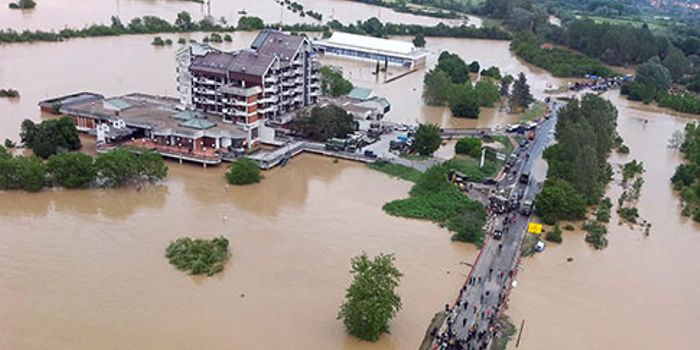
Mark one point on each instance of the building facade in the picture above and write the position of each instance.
(368, 48)
(276, 76)
(184, 58)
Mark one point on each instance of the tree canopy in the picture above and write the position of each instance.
(427, 139)
(520, 94)
(333, 83)
(578, 168)
(50, 136)
(371, 300)
(325, 122)
(243, 172)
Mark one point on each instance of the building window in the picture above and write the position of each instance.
(254, 133)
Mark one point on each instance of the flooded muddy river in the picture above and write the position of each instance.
(57, 14)
(85, 269)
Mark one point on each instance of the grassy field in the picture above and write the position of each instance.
(536, 110)
(400, 171)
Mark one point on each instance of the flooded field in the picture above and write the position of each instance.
(57, 14)
(85, 269)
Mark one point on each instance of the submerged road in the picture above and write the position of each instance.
(471, 320)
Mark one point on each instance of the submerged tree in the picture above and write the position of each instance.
(371, 300)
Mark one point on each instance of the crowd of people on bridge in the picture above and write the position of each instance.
(449, 337)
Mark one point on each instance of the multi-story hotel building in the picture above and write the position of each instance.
(276, 76)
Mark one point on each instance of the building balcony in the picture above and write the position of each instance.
(288, 83)
(287, 92)
(270, 99)
(271, 79)
(315, 93)
(269, 109)
(235, 112)
(315, 85)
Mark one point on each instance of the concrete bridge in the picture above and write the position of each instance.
(281, 155)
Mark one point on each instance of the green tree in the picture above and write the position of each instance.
(521, 96)
(50, 136)
(427, 139)
(492, 72)
(151, 165)
(554, 235)
(419, 40)
(474, 67)
(505, 85)
(436, 87)
(243, 172)
(117, 167)
(470, 146)
(184, 22)
(371, 300)
(333, 83)
(486, 92)
(676, 63)
(454, 66)
(324, 122)
(654, 75)
(71, 169)
(30, 173)
(250, 23)
(559, 201)
(464, 103)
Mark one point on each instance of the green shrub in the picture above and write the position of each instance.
(71, 169)
(596, 235)
(629, 214)
(470, 146)
(569, 227)
(243, 172)
(434, 198)
(554, 235)
(199, 256)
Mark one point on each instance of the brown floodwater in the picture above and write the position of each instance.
(405, 92)
(85, 269)
(638, 293)
(57, 14)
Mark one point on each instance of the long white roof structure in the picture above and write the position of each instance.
(371, 43)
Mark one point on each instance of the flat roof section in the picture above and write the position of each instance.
(364, 43)
(158, 114)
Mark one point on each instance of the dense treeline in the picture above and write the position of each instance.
(686, 179)
(184, 23)
(402, 6)
(560, 62)
(375, 27)
(614, 44)
(139, 25)
(578, 168)
(115, 168)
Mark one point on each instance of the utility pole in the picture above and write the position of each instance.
(483, 155)
(209, 8)
(522, 325)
